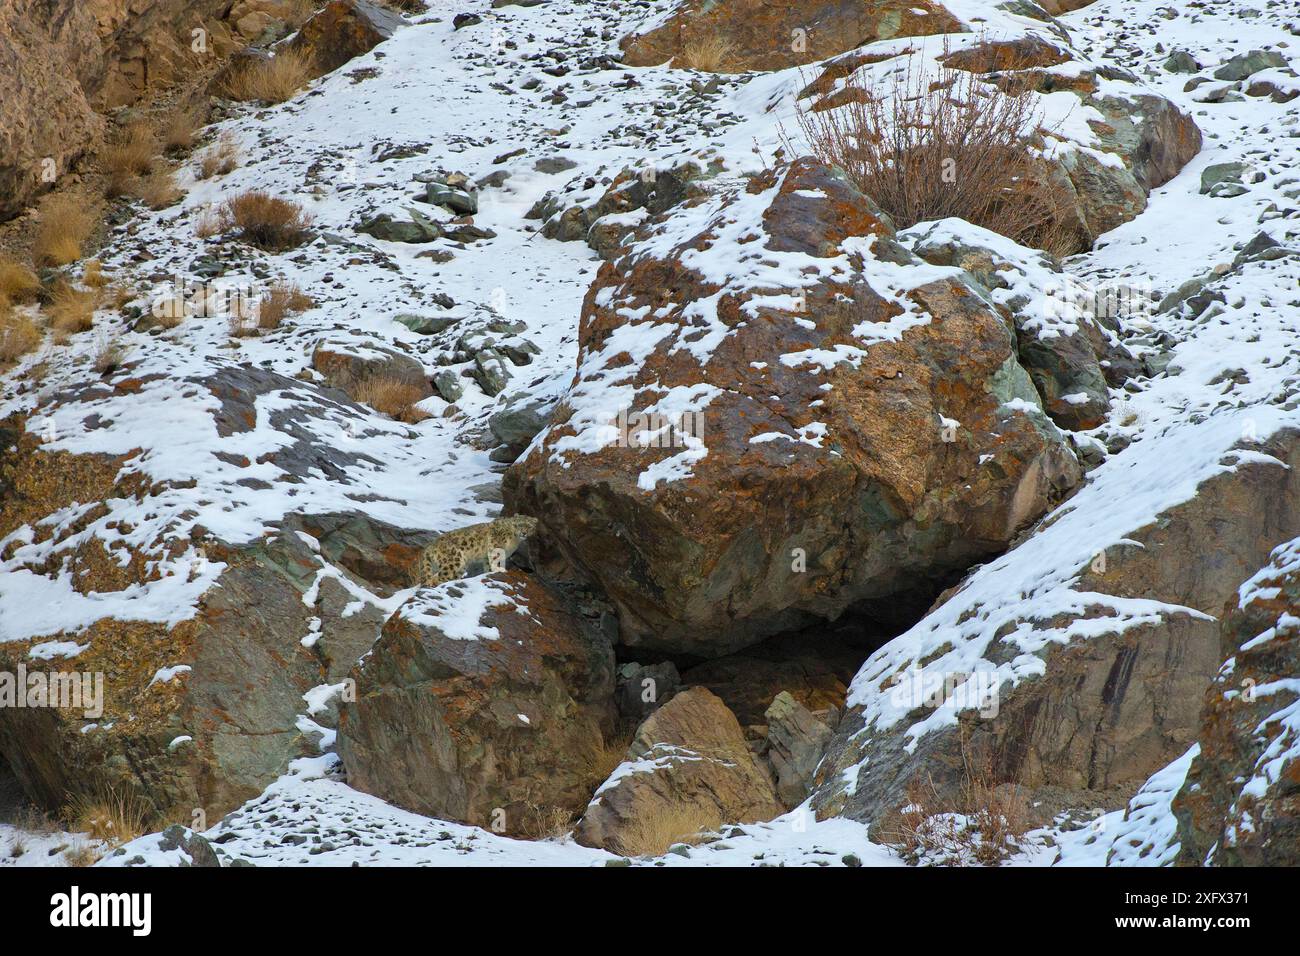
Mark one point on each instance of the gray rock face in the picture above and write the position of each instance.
(796, 741)
(1244, 65)
(469, 710)
(642, 688)
(516, 425)
(347, 366)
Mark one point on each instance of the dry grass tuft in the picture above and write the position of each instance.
(92, 274)
(18, 283)
(72, 310)
(542, 822)
(158, 190)
(271, 80)
(81, 855)
(109, 357)
(282, 300)
(132, 156)
(18, 334)
(391, 397)
(934, 145)
(220, 158)
(179, 131)
(706, 54)
(65, 226)
(109, 816)
(665, 825)
(266, 221)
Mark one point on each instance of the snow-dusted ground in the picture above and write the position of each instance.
(449, 100)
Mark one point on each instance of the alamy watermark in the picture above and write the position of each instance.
(62, 690)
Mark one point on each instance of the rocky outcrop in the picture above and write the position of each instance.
(342, 31)
(205, 646)
(349, 366)
(779, 412)
(1240, 805)
(796, 741)
(484, 701)
(776, 34)
(1114, 666)
(1065, 332)
(688, 769)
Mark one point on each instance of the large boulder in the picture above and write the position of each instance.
(1080, 683)
(485, 700)
(780, 412)
(342, 31)
(776, 34)
(688, 769)
(1240, 805)
(222, 655)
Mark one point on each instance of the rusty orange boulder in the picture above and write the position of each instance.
(779, 412)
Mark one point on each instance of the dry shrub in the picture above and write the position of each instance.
(663, 825)
(81, 855)
(18, 283)
(207, 223)
(543, 822)
(158, 190)
(220, 158)
(282, 300)
(108, 815)
(266, 221)
(18, 334)
(407, 6)
(71, 309)
(983, 825)
(271, 80)
(934, 145)
(132, 156)
(92, 274)
(604, 760)
(64, 227)
(109, 356)
(391, 397)
(706, 54)
(178, 133)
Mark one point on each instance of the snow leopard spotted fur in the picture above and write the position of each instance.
(473, 550)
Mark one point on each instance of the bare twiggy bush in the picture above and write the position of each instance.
(18, 333)
(271, 80)
(665, 825)
(207, 223)
(65, 226)
(266, 221)
(111, 816)
(158, 190)
(706, 54)
(936, 144)
(407, 6)
(17, 846)
(18, 283)
(133, 155)
(391, 397)
(220, 158)
(282, 300)
(71, 309)
(984, 825)
(543, 822)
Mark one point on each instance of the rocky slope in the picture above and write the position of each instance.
(836, 522)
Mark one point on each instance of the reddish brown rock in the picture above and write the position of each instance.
(864, 428)
(342, 31)
(776, 34)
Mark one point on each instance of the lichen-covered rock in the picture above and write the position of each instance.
(1240, 804)
(779, 411)
(1061, 338)
(484, 700)
(776, 34)
(688, 768)
(796, 741)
